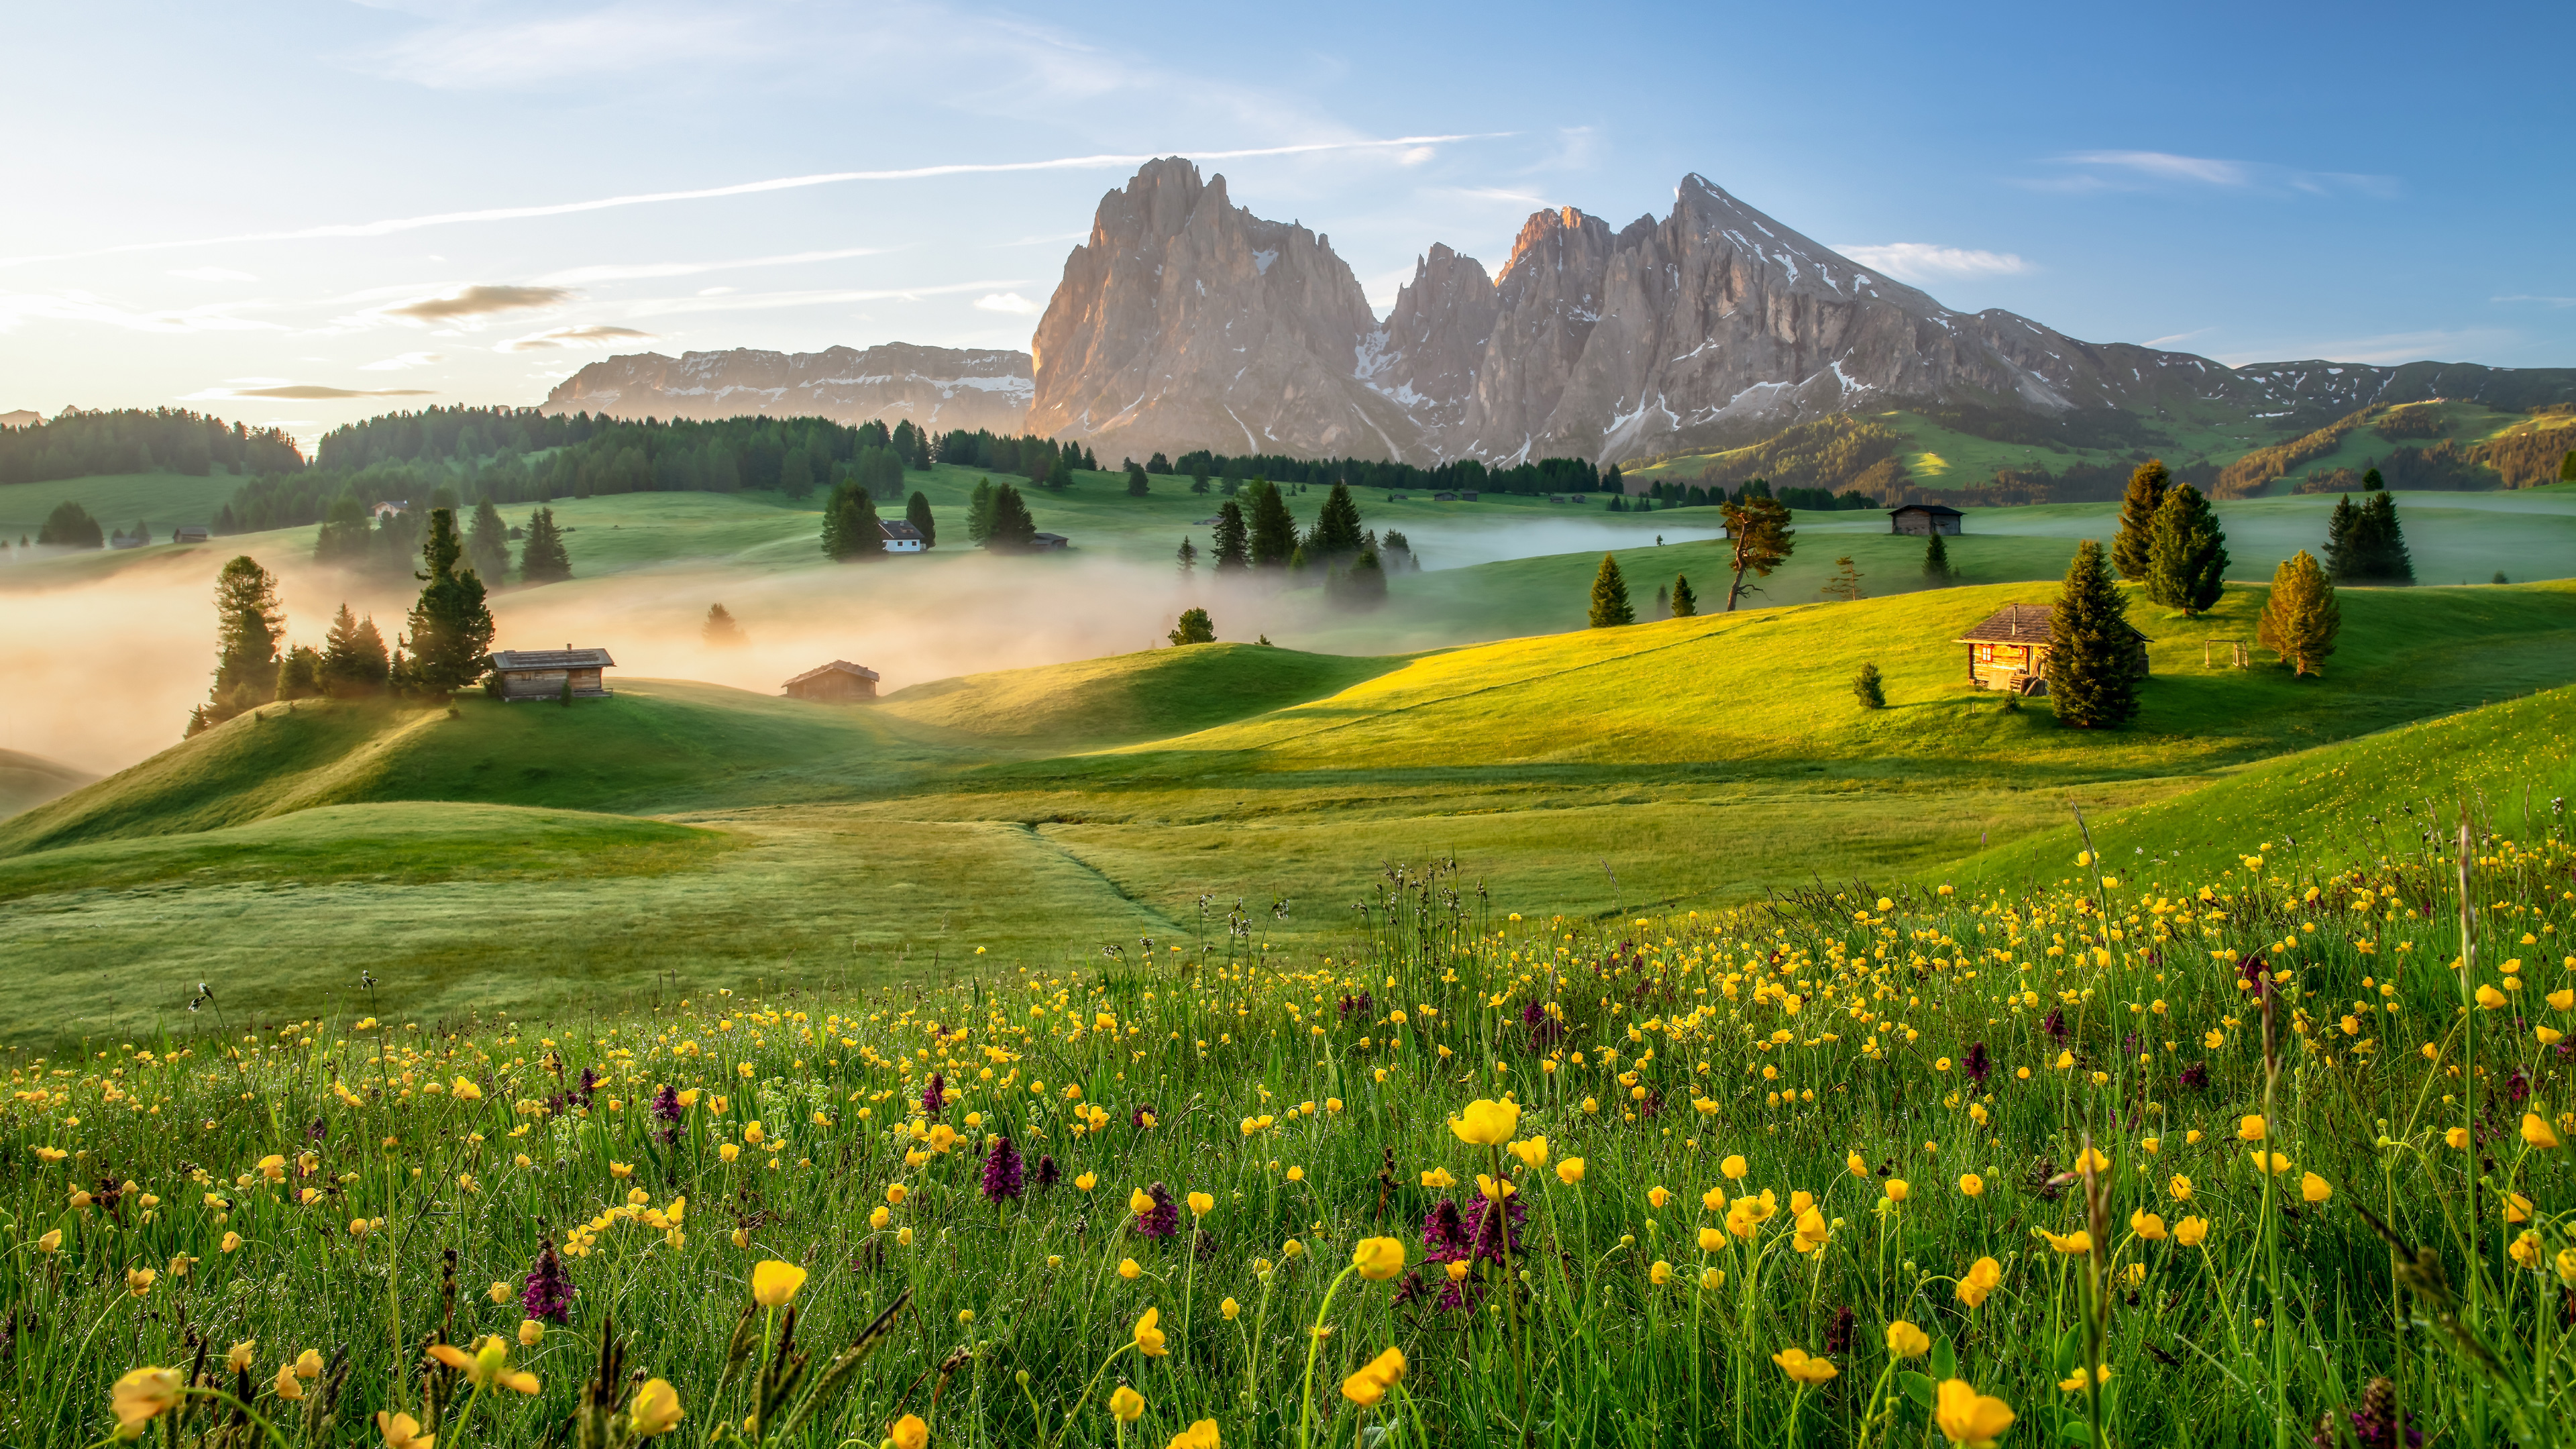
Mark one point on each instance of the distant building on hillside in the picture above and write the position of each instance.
(1046, 542)
(388, 507)
(839, 682)
(900, 537)
(1924, 519)
(542, 673)
(2009, 651)
(188, 534)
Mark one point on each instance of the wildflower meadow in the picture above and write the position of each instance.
(2272, 1157)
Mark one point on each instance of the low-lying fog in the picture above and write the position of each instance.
(101, 674)
(1485, 538)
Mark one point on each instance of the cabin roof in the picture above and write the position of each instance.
(841, 666)
(896, 528)
(1936, 510)
(507, 660)
(2020, 624)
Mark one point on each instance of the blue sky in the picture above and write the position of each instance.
(209, 204)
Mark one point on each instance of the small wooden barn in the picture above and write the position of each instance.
(542, 673)
(1924, 519)
(2010, 649)
(839, 682)
(900, 537)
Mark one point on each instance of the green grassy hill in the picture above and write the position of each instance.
(29, 780)
(119, 500)
(1128, 697)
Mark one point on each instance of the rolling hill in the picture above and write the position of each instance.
(29, 780)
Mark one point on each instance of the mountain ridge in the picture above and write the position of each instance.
(940, 388)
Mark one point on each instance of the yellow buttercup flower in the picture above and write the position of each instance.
(1982, 1278)
(1970, 1419)
(1378, 1259)
(1858, 1166)
(1660, 1274)
(1201, 1204)
(1659, 1196)
(2179, 1188)
(287, 1387)
(1149, 1334)
(1201, 1435)
(141, 1397)
(773, 1283)
(1804, 1367)
(2537, 1131)
(2083, 1379)
(1734, 1167)
(2092, 1160)
(1570, 1171)
(2190, 1231)
(1907, 1341)
(1127, 1405)
(1140, 1202)
(909, 1432)
(2147, 1225)
(1130, 1269)
(1487, 1123)
(2078, 1241)
(2314, 1188)
(402, 1431)
(1897, 1188)
(1532, 1153)
(1971, 1185)
(2252, 1129)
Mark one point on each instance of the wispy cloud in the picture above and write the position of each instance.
(406, 360)
(2143, 170)
(613, 40)
(212, 274)
(302, 392)
(2436, 345)
(591, 336)
(1011, 302)
(77, 306)
(755, 301)
(1923, 262)
(589, 276)
(2538, 301)
(391, 225)
(481, 300)
(2168, 341)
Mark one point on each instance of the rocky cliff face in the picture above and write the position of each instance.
(939, 388)
(1187, 322)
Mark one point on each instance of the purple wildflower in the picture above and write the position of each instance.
(1002, 1172)
(2055, 1024)
(2195, 1078)
(1047, 1173)
(1978, 1065)
(666, 1110)
(1165, 1217)
(1485, 1228)
(548, 1292)
(1142, 1117)
(1838, 1337)
(2375, 1423)
(2249, 972)
(935, 1096)
(1361, 1003)
(1444, 1235)
(2517, 1087)
(589, 1084)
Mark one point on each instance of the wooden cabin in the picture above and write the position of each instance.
(2009, 650)
(839, 682)
(900, 537)
(541, 673)
(1924, 519)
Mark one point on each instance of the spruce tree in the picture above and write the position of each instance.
(1869, 688)
(487, 544)
(979, 512)
(2343, 560)
(543, 559)
(1014, 528)
(1138, 485)
(70, 526)
(1610, 596)
(1187, 557)
(2300, 619)
(450, 626)
(1362, 585)
(299, 675)
(916, 511)
(2134, 545)
(353, 657)
(1233, 540)
(2187, 564)
(722, 630)
(1685, 603)
(2094, 657)
(1337, 526)
(850, 526)
(1061, 474)
(1936, 560)
(2371, 482)
(1274, 528)
(1194, 628)
(2383, 542)
(248, 624)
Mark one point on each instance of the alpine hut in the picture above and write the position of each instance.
(543, 673)
(2009, 650)
(1924, 519)
(839, 682)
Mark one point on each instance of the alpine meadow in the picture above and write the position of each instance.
(880, 770)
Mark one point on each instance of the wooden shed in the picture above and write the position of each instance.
(839, 682)
(2010, 649)
(542, 673)
(1924, 519)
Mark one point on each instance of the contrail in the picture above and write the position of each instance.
(748, 188)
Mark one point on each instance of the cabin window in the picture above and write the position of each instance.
(1986, 653)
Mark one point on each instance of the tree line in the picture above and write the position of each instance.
(444, 648)
(77, 444)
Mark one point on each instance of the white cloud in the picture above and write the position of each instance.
(2542, 301)
(755, 301)
(2179, 337)
(1922, 261)
(78, 306)
(1011, 302)
(586, 276)
(1416, 155)
(303, 392)
(612, 40)
(2133, 170)
(408, 359)
(2165, 166)
(591, 336)
(212, 274)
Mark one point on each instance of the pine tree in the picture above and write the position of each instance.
(2371, 482)
(450, 626)
(2134, 544)
(543, 559)
(1361, 585)
(722, 630)
(2382, 540)
(2343, 559)
(1188, 557)
(1233, 540)
(1274, 528)
(916, 511)
(1685, 603)
(1610, 596)
(487, 544)
(1194, 628)
(2187, 564)
(2301, 618)
(979, 512)
(1061, 474)
(850, 527)
(2094, 657)
(70, 526)
(353, 657)
(1014, 528)
(1199, 478)
(1337, 526)
(299, 676)
(1868, 688)
(1759, 537)
(248, 625)
(1138, 485)
(1936, 561)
